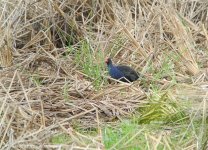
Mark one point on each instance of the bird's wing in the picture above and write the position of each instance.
(128, 72)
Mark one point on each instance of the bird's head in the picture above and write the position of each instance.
(108, 61)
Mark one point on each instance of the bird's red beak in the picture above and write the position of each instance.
(106, 60)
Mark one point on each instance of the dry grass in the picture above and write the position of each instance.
(43, 89)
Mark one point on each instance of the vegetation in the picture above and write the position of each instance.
(54, 86)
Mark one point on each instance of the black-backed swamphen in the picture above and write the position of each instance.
(121, 72)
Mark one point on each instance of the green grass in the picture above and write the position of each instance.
(132, 136)
(121, 136)
(61, 139)
(36, 79)
(65, 92)
(92, 66)
(163, 108)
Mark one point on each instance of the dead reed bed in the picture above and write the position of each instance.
(43, 89)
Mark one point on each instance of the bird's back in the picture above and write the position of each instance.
(128, 73)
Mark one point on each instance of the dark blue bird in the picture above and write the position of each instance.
(122, 73)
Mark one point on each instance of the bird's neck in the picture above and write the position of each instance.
(110, 66)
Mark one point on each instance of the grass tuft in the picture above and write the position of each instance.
(162, 108)
(91, 65)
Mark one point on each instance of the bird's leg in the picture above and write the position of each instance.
(124, 79)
